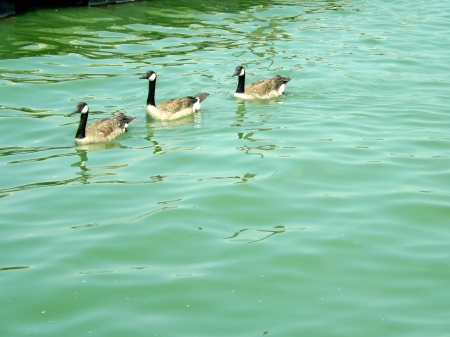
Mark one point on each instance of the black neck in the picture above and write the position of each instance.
(241, 84)
(81, 132)
(151, 93)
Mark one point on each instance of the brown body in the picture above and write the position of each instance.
(174, 108)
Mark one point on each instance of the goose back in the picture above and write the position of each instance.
(174, 108)
(106, 129)
(268, 88)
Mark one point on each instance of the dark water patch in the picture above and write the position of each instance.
(159, 151)
(244, 179)
(41, 184)
(96, 272)
(19, 150)
(40, 159)
(83, 179)
(29, 112)
(15, 268)
(69, 33)
(248, 235)
(262, 150)
(39, 77)
(168, 201)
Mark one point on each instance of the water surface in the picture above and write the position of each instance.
(320, 213)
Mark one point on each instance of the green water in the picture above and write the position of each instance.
(321, 213)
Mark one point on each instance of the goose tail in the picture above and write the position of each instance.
(123, 120)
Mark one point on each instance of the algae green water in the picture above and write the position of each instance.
(324, 212)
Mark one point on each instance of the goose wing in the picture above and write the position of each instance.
(121, 120)
(173, 106)
(267, 85)
(109, 127)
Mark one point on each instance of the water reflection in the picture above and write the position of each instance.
(19, 150)
(248, 235)
(155, 125)
(261, 102)
(248, 177)
(38, 154)
(240, 180)
(86, 173)
(38, 77)
(126, 220)
(257, 150)
(98, 146)
(15, 268)
(8, 191)
(254, 124)
(253, 236)
(42, 32)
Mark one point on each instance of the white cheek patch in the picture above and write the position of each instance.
(152, 77)
(281, 89)
(151, 110)
(85, 109)
(242, 72)
(196, 105)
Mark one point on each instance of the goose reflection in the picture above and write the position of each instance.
(250, 125)
(174, 126)
(82, 150)
(86, 172)
(171, 123)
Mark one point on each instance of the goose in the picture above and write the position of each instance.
(102, 130)
(262, 89)
(171, 108)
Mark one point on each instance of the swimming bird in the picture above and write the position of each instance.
(102, 130)
(262, 89)
(171, 108)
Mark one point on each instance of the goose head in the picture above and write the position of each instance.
(239, 71)
(81, 108)
(149, 75)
